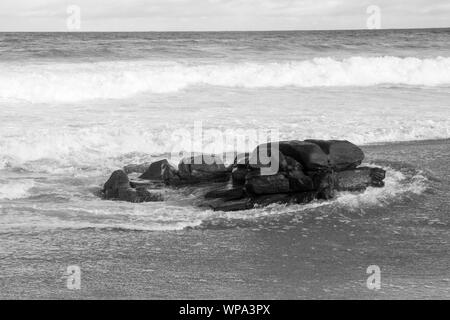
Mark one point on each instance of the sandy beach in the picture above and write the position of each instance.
(321, 252)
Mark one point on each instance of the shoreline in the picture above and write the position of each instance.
(406, 142)
(322, 253)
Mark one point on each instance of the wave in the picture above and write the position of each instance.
(397, 185)
(11, 190)
(59, 151)
(72, 82)
(179, 215)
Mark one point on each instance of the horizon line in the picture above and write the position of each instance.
(217, 31)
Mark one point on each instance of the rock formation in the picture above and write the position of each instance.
(119, 187)
(305, 171)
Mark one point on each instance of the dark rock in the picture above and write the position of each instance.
(241, 160)
(265, 156)
(304, 171)
(265, 200)
(308, 154)
(119, 187)
(235, 205)
(304, 197)
(377, 175)
(169, 174)
(227, 194)
(342, 154)
(311, 154)
(154, 171)
(140, 194)
(202, 168)
(136, 168)
(299, 182)
(238, 175)
(127, 194)
(266, 184)
(285, 198)
(324, 183)
(134, 183)
(359, 179)
(290, 164)
(145, 195)
(326, 189)
(317, 177)
(117, 181)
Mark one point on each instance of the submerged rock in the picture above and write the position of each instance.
(359, 179)
(227, 194)
(139, 194)
(234, 205)
(135, 183)
(267, 199)
(285, 198)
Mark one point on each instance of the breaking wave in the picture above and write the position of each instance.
(397, 185)
(59, 151)
(71, 82)
(178, 213)
(10, 190)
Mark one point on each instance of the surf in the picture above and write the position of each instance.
(74, 82)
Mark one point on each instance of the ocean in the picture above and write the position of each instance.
(76, 106)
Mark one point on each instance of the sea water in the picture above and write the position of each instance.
(76, 106)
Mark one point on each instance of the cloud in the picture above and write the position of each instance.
(221, 14)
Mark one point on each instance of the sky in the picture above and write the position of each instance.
(218, 15)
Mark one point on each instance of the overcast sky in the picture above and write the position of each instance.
(171, 15)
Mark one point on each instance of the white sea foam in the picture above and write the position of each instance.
(10, 190)
(397, 184)
(172, 215)
(56, 150)
(156, 216)
(71, 82)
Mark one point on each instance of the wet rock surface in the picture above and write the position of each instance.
(119, 187)
(202, 168)
(155, 170)
(305, 171)
(342, 155)
(256, 183)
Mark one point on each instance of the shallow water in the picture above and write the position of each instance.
(321, 251)
(57, 157)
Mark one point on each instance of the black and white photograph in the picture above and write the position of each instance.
(224, 150)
